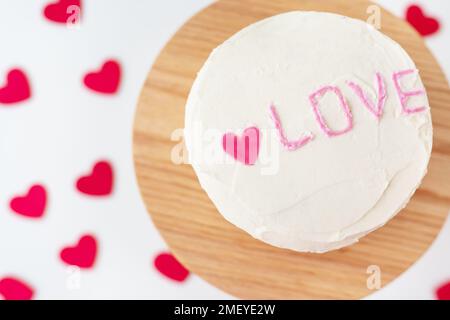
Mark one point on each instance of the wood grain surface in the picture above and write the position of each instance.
(226, 256)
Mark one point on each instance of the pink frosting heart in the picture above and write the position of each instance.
(245, 148)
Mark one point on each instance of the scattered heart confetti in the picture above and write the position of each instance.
(99, 182)
(15, 289)
(16, 89)
(424, 24)
(83, 254)
(443, 292)
(31, 205)
(106, 80)
(170, 267)
(245, 148)
(63, 11)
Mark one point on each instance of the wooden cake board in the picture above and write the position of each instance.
(221, 253)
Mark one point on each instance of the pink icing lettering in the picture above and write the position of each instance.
(404, 96)
(378, 110)
(319, 117)
(245, 148)
(290, 145)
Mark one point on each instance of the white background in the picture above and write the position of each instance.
(65, 128)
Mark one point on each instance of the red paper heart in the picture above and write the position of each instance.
(106, 80)
(82, 254)
(443, 292)
(244, 149)
(60, 11)
(15, 289)
(425, 25)
(99, 182)
(32, 205)
(170, 267)
(17, 87)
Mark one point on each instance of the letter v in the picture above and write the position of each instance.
(378, 110)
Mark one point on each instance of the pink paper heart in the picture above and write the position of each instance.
(424, 24)
(99, 182)
(245, 148)
(82, 254)
(16, 89)
(443, 292)
(31, 205)
(59, 11)
(106, 80)
(170, 267)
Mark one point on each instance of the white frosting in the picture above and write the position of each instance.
(333, 190)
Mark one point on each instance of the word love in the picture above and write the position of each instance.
(375, 108)
(245, 148)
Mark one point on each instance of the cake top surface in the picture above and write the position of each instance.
(309, 130)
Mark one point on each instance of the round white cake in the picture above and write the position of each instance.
(309, 130)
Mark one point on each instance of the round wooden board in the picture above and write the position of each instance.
(224, 255)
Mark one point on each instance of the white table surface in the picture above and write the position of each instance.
(65, 128)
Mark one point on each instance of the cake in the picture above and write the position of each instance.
(309, 130)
